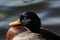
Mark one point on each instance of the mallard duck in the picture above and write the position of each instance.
(27, 27)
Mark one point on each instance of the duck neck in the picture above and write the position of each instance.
(20, 28)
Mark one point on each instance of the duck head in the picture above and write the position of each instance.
(29, 20)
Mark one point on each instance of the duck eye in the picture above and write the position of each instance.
(22, 17)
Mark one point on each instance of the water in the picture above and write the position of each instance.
(1, 38)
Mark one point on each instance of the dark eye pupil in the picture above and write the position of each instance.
(22, 17)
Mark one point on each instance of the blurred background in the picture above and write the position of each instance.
(47, 10)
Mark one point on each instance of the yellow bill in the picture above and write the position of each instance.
(17, 22)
